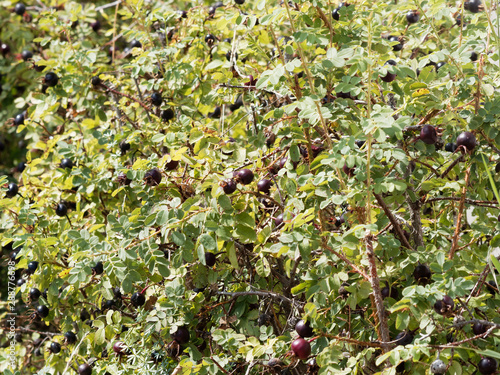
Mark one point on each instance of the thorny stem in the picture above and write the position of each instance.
(346, 260)
(309, 78)
(393, 221)
(460, 213)
(370, 135)
(383, 330)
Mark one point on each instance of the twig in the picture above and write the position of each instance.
(379, 303)
(112, 90)
(219, 366)
(492, 204)
(393, 221)
(22, 329)
(325, 20)
(261, 293)
(459, 217)
(455, 162)
(140, 96)
(428, 116)
(68, 362)
(479, 283)
(454, 344)
(109, 5)
(351, 264)
(416, 222)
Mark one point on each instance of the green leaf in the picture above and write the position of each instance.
(245, 234)
(262, 267)
(100, 336)
(208, 242)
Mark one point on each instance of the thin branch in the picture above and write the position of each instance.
(140, 96)
(492, 204)
(450, 167)
(457, 343)
(52, 334)
(393, 221)
(460, 213)
(109, 5)
(261, 293)
(383, 330)
(219, 366)
(351, 264)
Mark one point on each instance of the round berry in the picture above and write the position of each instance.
(19, 119)
(95, 81)
(389, 77)
(32, 266)
(336, 14)
(450, 147)
(35, 294)
(412, 16)
(96, 26)
(245, 176)
(473, 6)
(98, 269)
(301, 348)
(264, 186)
(487, 366)
(388, 291)
(138, 299)
(21, 166)
(278, 220)
(61, 209)
(42, 311)
(167, 114)
(466, 139)
(303, 329)
(152, 177)
(4, 48)
(26, 55)
(209, 39)
(156, 99)
(210, 259)
(444, 306)
(438, 367)
(396, 47)
(20, 9)
(404, 338)
(479, 328)
(70, 337)
(124, 146)
(473, 56)
(440, 65)
(491, 286)
(119, 348)
(55, 347)
(84, 369)
(84, 315)
(66, 163)
(51, 79)
(135, 44)
(428, 134)
(122, 179)
(12, 190)
(181, 335)
(228, 186)
(171, 165)
(422, 272)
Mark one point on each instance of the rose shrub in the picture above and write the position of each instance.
(184, 182)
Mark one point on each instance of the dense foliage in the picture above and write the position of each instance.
(183, 183)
